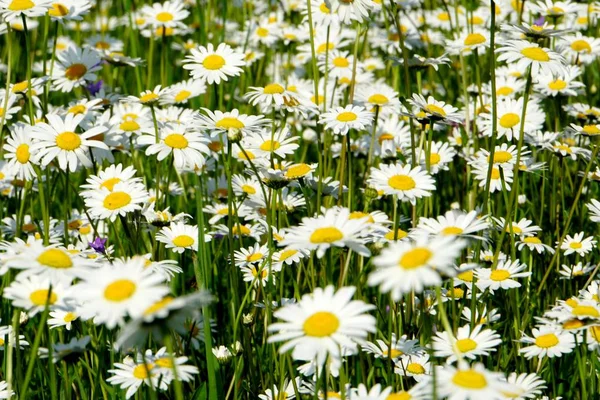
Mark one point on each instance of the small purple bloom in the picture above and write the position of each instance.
(94, 87)
(540, 21)
(99, 245)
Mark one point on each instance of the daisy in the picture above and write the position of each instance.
(578, 244)
(467, 343)
(403, 267)
(434, 110)
(172, 366)
(273, 94)
(416, 365)
(524, 227)
(251, 255)
(321, 323)
(11, 106)
(454, 223)
(395, 350)
(57, 140)
(17, 152)
(594, 210)
(5, 393)
(349, 11)
(74, 67)
(341, 119)
(12, 9)
(265, 142)
(34, 293)
(47, 262)
(9, 338)
(180, 237)
(469, 382)
(533, 243)
(218, 122)
(503, 277)
(333, 228)
(258, 275)
(113, 291)
(580, 49)
(182, 92)
(409, 184)
(108, 178)
(214, 65)
(440, 156)
(187, 146)
(148, 97)
(169, 14)
(132, 374)
(526, 54)
(547, 341)
(62, 317)
(579, 269)
(524, 386)
(509, 114)
(563, 85)
(121, 199)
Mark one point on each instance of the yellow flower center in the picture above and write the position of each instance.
(116, 200)
(546, 341)
(581, 46)
(399, 396)
(75, 72)
(452, 230)
(415, 368)
(360, 214)
(499, 275)
(262, 32)
(572, 324)
(230, 122)
(591, 130)
(341, 62)
(466, 276)
(243, 230)
(22, 153)
(402, 182)
(321, 324)
(473, 39)
(585, 311)
(176, 141)
(466, 345)
(297, 171)
(70, 317)
(324, 47)
(183, 95)
(164, 16)
(164, 362)
(434, 158)
(159, 305)
(504, 91)
(509, 120)
(129, 126)
(39, 297)
(324, 9)
(346, 116)
(103, 46)
(400, 234)
(254, 257)
(141, 371)
(273, 88)
(287, 254)
(55, 258)
(469, 379)
(213, 62)
(532, 240)
(148, 97)
(433, 109)
(270, 145)
(110, 183)
(120, 290)
(595, 332)
(20, 87)
(378, 99)
(415, 258)
(248, 189)
(536, 54)
(183, 241)
(21, 5)
(557, 84)
(326, 235)
(68, 141)
(501, 157)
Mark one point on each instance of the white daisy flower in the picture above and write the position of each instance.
(503, 277)
(547, 341)
(341, 119)
(578, 244)
(526, 54)
(74, 67)
(180, 236)
(409, 184)
(467, 343)
(214, 65)
(121, 199)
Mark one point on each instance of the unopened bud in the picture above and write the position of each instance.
(234, 135)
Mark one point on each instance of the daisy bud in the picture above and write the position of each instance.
(23, 318)
(309, 135)
(222, 354)
(455, 206)
(236, 348)
(247, 319)
(371, 193)
(234, 135)
(522, 199)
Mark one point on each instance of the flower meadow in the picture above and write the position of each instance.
(299, 199)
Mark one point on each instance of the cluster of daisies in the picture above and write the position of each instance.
(340, 199)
